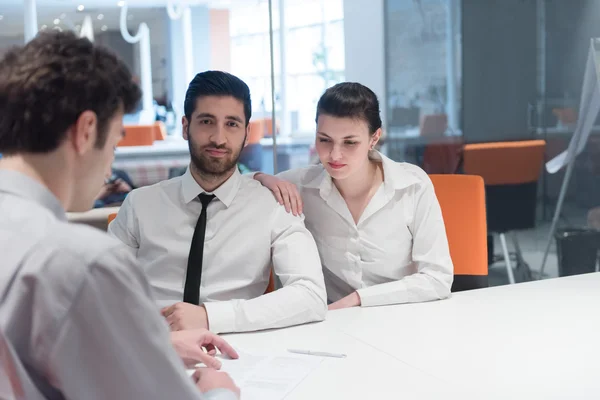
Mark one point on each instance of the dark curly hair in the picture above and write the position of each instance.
(47, 84)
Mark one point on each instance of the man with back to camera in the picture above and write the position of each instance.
(207, 240)
(77, 320)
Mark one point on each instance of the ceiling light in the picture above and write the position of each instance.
(58, 28)
(63, 16)
(121, 3)
(78, 27)
(80, 7)
(129, 17)
(56, 21)
(100, 17)
(104, 28)
(43, 27)
(1, 17)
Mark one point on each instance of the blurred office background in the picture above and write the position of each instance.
(451, 75)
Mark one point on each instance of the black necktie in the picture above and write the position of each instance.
(191, 293)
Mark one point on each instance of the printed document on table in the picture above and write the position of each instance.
(268, 377)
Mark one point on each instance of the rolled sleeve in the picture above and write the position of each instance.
(125, 226)
(302, 299)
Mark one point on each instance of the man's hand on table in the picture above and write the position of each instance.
(182, 316)
(200, 346)
(208, 379)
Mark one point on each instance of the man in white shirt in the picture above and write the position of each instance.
(207, 240)
(77, 320)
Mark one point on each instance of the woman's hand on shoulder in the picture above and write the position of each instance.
(286, 193)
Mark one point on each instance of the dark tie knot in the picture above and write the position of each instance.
(205, 199)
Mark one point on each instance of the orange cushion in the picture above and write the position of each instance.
(138, 135)
(462, 200)
(505, 163)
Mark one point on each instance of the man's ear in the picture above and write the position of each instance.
(247, 134)
(184, 127)
(83, 134)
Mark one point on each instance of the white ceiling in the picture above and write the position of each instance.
(11, 22)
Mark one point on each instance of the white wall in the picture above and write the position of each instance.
(364, 46)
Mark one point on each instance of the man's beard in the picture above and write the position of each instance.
(214, 167)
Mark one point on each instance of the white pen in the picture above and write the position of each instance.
(317, 353)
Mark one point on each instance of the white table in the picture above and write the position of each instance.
(365, 374)
(537, 340)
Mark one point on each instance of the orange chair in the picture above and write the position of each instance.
(260, 128)
(511, 171)
(462, 200)
(256, 132)
(160, 130)
(270, 286)
(138, 135)
(566, 116)
(442, 158)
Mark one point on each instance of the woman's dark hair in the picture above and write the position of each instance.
(351, 100)
(47, 84)
(217, 83)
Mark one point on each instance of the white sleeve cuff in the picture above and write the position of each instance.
(383, 294)
(221, 316)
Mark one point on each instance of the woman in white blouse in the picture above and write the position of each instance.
(377, 223)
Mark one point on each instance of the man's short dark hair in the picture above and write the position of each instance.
(217, 83)
(47, 84)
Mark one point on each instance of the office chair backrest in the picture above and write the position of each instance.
(270, 286)
(505, 163)
(462, 200)
(138, 135)
(510, 171)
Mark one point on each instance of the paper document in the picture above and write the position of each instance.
(269, 377)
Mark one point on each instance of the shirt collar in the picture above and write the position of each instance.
(225, 193)
(23, 186)
(394, 178)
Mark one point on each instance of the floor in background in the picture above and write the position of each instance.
(533, 243)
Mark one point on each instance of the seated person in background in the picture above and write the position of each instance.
(207, 240)
(114, 190)
(77, 320)
(377, 222)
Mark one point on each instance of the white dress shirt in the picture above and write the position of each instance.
(77, 320)
(247, 231)
(397, 253)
